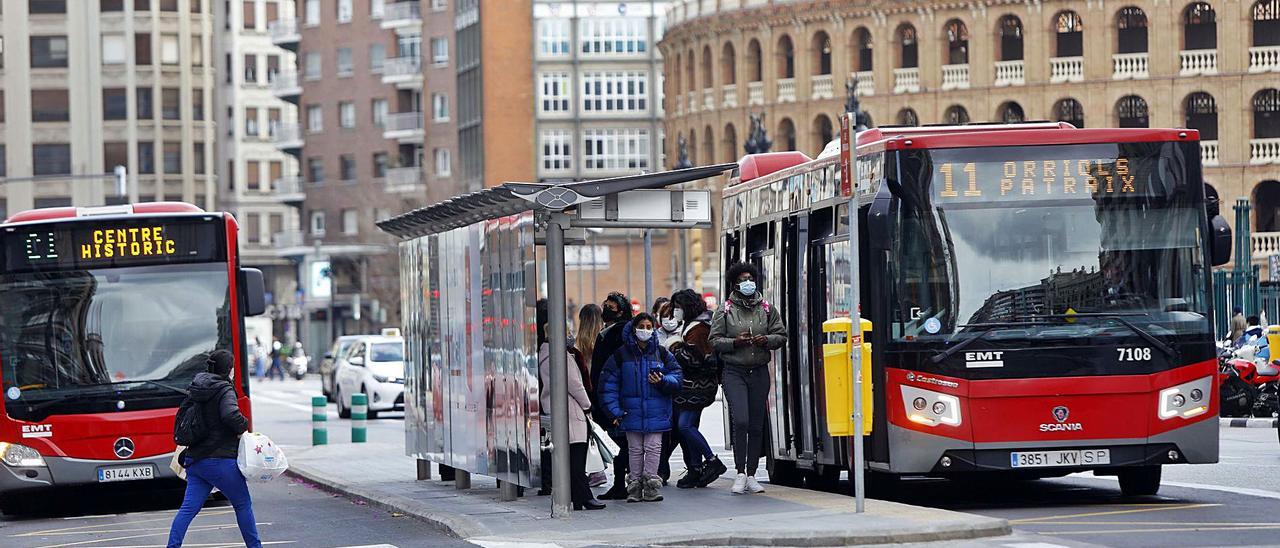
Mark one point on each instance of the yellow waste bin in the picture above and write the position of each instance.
(838, 377)
(1273, 341)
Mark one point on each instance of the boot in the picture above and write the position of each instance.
(692, 477)
(711, 471)
(652, 491)
(635, 490)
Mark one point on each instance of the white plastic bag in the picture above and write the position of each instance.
(176, 464)
(259, 459)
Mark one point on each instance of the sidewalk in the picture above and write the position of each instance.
(380, 475)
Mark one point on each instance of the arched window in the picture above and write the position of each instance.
(821, 46)
(1070, 111)
(861, 53)
(955, 115)
(1131, 30)
(1266, 114)
(708, 146)
(1011, 113)
(822, 132)
(1266, 23)
(706, 67)
(908, 47)
(957, 38)
(690, 63)
(1010, 38)
(786, 134)
(1201, 112)
(755, 67)
(677, 75)
(1069, 30)
(1131, 111)
(907, 117)
(1199, 27)
(730, 143)
(728, 65)
(1266, 206)
(786, 54)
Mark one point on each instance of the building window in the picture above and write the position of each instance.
(615, 149)
(1010, 38)
(275, 172)
(379, 109)
(557, 151)
(615, 91)
(273, 11)
(443, 161)
(1069, 28)
(51, 159)
(439, 5)
(1202, 114)
(317, 223)
(315, 170)
(142, 49)
(1132, 111)
(273, 122)
(1011, 113)
(315, 118)
(50, 105)
(170, 104)
(144, 103)
(197, 51)
(440, 51)
(957, 35)
(115, 104)
(439, 107)
(409, 45)
(168, 5)
(169, 49)
(250, 68)
(253, 175)
(908, 47)
(380, 164)
(553, 37)
(345, 68)
(46, 6)
(197, 148)
(347, 167)
(312, 69)
(614, 35)
(273, 67)
(377, 56)
(1266, 23)
(865, 54)
(252, 228)
(1069, 111)
(347, 114)
(249, 15)
(955, 115)
(197, 104)
(173, 157)
(312, 12)
(251, 122)
(141, 5)
(908, 117)
(1266, 114)
(1131, 30)
(111, 5)
(350, 222)
(377, 8)
(555, 90)
(344, 11)
(114, 50)
(1199, 27)
(146, 157)
(114, 154)
(48, 51)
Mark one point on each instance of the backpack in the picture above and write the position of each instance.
(190, 426)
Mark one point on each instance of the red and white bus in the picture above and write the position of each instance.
(106, 314)
(1039, 295)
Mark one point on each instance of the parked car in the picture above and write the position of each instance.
(374, 366)
(329, 365)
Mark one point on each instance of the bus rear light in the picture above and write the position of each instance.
(1184, 400)
(20, 455)
(930, 408)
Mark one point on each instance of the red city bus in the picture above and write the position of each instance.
(1039, 295)
(106, 314)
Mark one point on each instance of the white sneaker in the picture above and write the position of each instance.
(740, 484)
(753, 486)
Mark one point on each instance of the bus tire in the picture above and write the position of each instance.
(1139, 481)
(783, 472)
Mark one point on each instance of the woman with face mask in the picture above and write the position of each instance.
(744, 333)
(635, 390)
(670, 324)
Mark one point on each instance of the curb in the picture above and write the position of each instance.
(455, 525)
(997, 528)
(1249, 423)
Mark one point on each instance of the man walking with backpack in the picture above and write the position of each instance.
(209, 423)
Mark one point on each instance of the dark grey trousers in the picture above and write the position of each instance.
(747, 394)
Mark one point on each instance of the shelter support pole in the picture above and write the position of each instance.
(648, 270)
(461, 479)
(424, 469)
(857, 471)
(560, 498)
(507, 491)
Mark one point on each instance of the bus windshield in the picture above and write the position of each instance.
(140, 330)
(1050, 241)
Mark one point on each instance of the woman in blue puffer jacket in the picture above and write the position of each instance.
(635, 389)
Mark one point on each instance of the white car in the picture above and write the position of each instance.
(374, 366)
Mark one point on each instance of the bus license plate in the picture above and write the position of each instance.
(1083, 457)
(126, 473)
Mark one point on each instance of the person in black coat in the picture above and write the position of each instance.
(211, 462)
(617, 312)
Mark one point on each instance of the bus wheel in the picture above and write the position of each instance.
(1140, 481)
(783, 472)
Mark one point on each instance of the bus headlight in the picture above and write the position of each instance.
(19, 455)
(930, 408)
(1174, 401)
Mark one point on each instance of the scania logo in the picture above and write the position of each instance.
(1060, 413)
(123, 448)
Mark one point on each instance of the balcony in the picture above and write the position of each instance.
(955, 77)
(755, 93)
(403, 72)
(406, 127)
(1265, 243)
(284, 33)
(289, 190)
(288, 138)
(906, 80)
(691, 101)
(1264, 151)
(1208, 153)
(1130, 66)
(1010, 73)
(821, 86)
(402, 15)
(708, 99)
(729, 96)
(786, 90)
(406, 180)
(289, 243)
(287, 86)
(1264, 59)
(1199, 61)
(1066, 69)
(866, 83)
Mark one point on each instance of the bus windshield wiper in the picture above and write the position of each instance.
(1120, 317)
(987, 328)
(153, 383)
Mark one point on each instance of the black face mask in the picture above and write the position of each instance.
(611, 315)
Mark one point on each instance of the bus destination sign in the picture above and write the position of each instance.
(81, 244)
(1036, 180)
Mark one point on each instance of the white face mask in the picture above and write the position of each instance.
(678, 314)
(643, 335)
(670, 324)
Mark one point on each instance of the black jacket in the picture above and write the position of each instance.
(222, 415)
(607, 343)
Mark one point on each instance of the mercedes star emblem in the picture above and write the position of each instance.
(123, 448)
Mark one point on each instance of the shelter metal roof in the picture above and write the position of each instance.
(513, 198)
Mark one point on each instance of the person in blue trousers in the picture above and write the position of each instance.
(212, 462)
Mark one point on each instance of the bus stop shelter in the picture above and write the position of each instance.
(469, 283)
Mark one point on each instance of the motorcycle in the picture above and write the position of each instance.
(298, 365)
(1249, 382)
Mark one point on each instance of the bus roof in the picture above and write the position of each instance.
(60, 213)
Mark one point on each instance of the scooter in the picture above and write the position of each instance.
(298, 364)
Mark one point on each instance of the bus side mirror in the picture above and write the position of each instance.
(254, 291)
(1220, 240)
